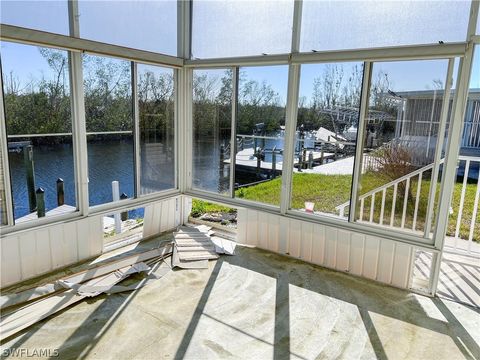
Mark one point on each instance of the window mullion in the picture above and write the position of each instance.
(6, 170)
(233, 134)
(357, 167)
(136, 130)
(439, 148)
(290, 131)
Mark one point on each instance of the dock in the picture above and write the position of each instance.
(60, 210)
(247, 159)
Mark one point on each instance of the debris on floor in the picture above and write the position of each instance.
(194, 246)
(191, 248)
(28, 307)
(224, 246)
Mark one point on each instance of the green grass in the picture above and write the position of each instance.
(329, 191)
(200, 207)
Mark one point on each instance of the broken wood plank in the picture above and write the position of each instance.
(191, 236)
(41, 309)
(193, 242)
(200, 255)
(223, 246)
(93, 289)
(199, 228)
(101, 269)
(176, 262)
(196, 248)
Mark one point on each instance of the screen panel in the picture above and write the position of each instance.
(212, 128)
(51, 16)
(145, 25)
(338, 25)
(39, 131)
(400, 140)
(260, 128)
(326, 137)
(156, 102)
(241, 28)
(109, 123)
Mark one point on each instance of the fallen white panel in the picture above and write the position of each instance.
(41, 309)
(176, 262)
(224, 246)
(100, 270)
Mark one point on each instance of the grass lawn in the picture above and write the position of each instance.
(329, 191)
(200, 207)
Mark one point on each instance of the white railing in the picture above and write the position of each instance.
(382, 191)
(471, 134)
(464, 226)
(466, 208)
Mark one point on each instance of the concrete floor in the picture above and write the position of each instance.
(258, 305)
(459, 278)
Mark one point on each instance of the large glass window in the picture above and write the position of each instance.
(260, 129)
(157, 132)
(146, 25)
(400, 140)
(51, 16)
(109, 122)
(212, 128)
(39, 130)
(240, 28)
(336, 25)
(327, 123)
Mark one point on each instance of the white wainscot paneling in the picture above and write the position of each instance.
(372, 257)
(162, 216)
(38, 251)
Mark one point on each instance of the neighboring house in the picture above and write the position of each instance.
(421, 116)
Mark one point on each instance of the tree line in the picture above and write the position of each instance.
(42, 105)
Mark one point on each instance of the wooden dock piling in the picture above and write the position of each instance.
(124, 215)
(310, 160)
(60, 192)
(40, 199)
(30, 176)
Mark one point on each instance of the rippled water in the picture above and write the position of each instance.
(107, 162)
(110, 161)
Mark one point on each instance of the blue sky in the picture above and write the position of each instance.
(231, 28)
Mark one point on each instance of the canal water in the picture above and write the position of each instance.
(209, 175)
(113, 160)
(108, 161)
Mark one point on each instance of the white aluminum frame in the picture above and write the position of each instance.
(297, 25)
(453, 145)
(439, 148)
(290, 136)
(183, 115)
(136, 130)
(4, 160)
(358, 160)
(233, 132)
(75, 44)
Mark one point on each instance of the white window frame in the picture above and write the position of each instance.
(184, 65)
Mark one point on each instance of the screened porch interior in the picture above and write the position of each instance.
(322, 157)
